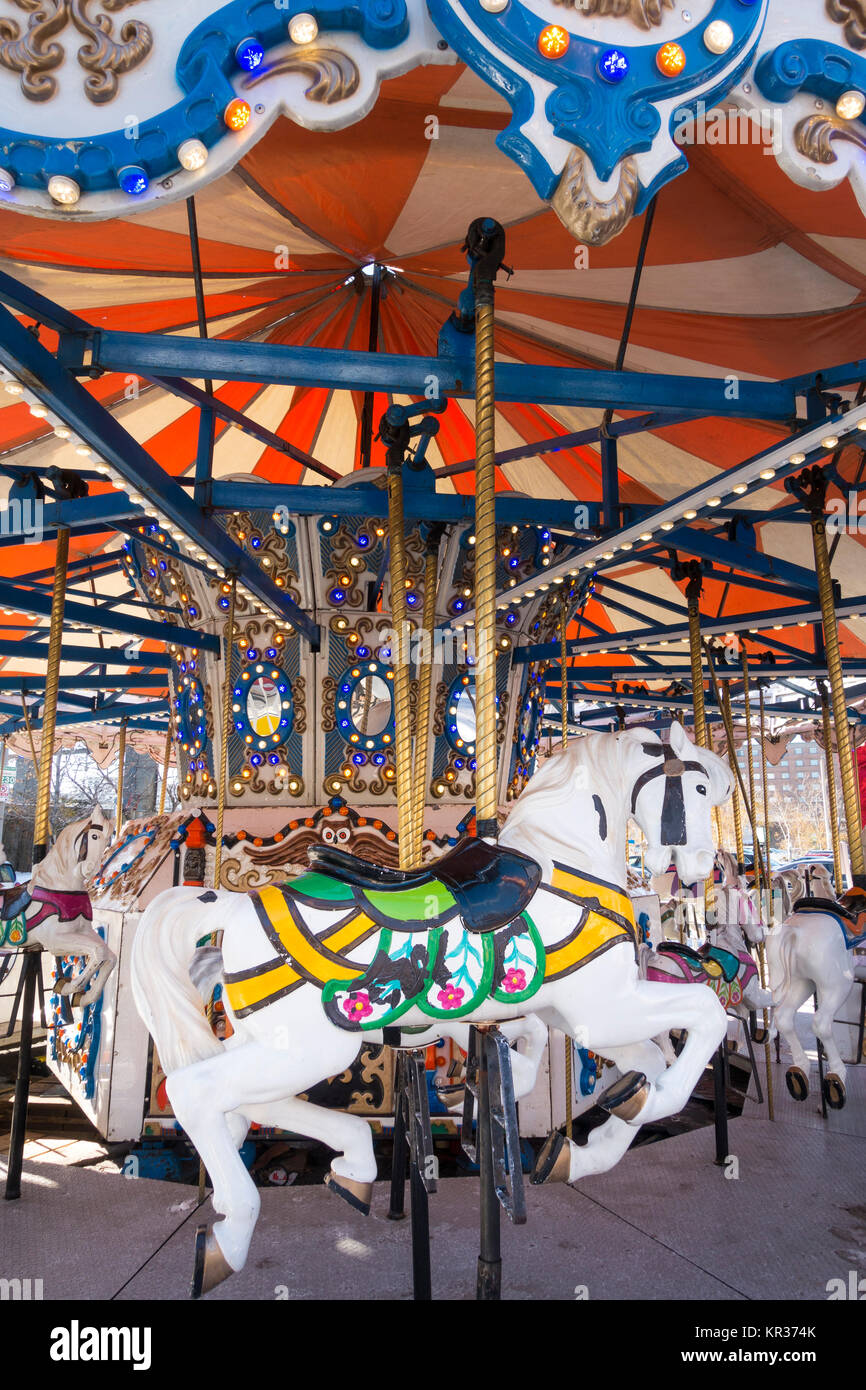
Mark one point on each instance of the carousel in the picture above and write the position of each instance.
(433, 435)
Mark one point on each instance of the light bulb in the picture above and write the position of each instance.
(850, 105)
(64, 190)
(303, 28)
(718, 36)
(192, 154)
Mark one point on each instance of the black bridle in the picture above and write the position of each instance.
(673, 826)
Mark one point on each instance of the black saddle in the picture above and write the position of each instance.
(490, 883)
(812, 904)
(677, 949)
(14, 898)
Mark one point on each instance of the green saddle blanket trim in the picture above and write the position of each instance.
(13, 932)
(424, 902)
(322, 888)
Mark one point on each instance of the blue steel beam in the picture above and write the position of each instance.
(27, 301)
(725, 552)
(32, 601)
(95, 656)
(22, 354)
(153, 715)
(34, 685)
(852, 667)
(419, 504)
(151, 354)
(710, 627)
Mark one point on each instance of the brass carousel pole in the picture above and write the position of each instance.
(732, 759)
(166, 763)
(425, 685)
(768, 919)
(569, 1046)
(832, 799)
(485, 242)
(485, 245)
(222, 779)
(402, 684)
(121, 756)
(811, 488)
(30, 966)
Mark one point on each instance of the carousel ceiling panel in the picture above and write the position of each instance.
(476, 174)
(766, 283)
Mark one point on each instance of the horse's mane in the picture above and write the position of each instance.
(554, 782)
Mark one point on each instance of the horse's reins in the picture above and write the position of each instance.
(673, 824)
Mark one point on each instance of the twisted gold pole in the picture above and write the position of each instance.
(485, 567)
(228, 650)
(732, 759)
(402, 699)
(422, 712)
(768, 878)
(41, 827)
(760, 876)
(847, 772)
(833, 800)
(697, 669)
(166, 763)
(121, 767)
(563, 659)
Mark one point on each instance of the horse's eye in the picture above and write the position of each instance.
(701, 789)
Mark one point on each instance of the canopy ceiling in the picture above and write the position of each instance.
(747, 275)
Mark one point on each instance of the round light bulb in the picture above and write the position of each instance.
(830, 442)
(237, 114)
(303, 29)
(850, 105)
(494, 6)
(63, 190)
(7, 181)
(718, 36)
(192, 155)
(553, 41)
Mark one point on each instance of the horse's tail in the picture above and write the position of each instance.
(164, 994)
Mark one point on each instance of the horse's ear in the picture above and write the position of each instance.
(680, 741)
(81, 841)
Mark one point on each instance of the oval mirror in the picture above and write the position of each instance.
(264, 706)
(370, 710)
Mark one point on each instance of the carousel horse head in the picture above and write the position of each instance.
(77, 852)
(672, 800)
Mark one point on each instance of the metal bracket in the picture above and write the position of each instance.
(489, 1052)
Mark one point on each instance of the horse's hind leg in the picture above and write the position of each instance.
(830, 1000)
(205, 1097)
(797, 1075)
(564, 1161)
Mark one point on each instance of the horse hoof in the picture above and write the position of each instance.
(357, 1194)
(211, 1265)
(553, 1163)
(733, 1045)
(834, 1091)
(452, 1097)
(627, 1097)
(797, 1083)
(760, 1036)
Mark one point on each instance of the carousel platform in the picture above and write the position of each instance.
(666, 1224)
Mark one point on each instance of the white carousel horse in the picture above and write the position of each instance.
(725, 963)
(314, 968)
(810, 952)
(52, 911)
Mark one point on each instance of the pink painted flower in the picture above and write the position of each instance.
(358, 1006)
(451, 997)
(514, 982)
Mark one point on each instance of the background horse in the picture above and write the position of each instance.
(811, 953)
(309, 1007)
(725, 961)
(52, 911)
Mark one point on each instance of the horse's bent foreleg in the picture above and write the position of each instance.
(654, 1009)
(350, 1135)
(563, 1160)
